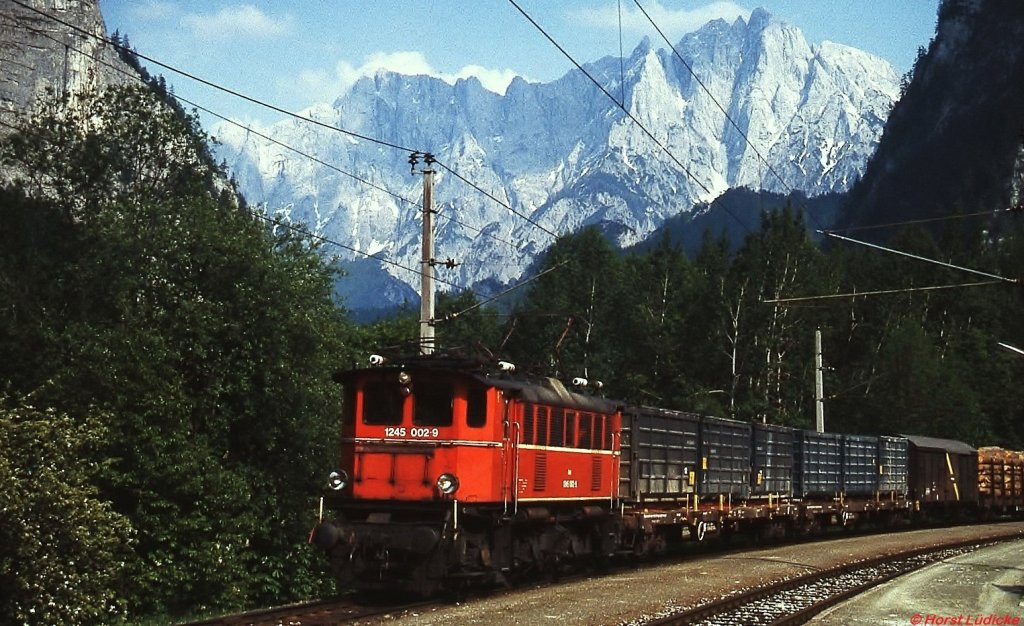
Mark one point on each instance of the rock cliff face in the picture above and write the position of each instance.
(38, 53)
(955, 140)
(565, 155)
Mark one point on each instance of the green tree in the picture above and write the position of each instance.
(206, 337)
(773, 342)
(398, 333)
(652, 333)
(563, 326)
(466, 326)
(720, 313)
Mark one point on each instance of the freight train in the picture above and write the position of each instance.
(452, 474)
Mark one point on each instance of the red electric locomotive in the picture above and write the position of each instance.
(449, 473)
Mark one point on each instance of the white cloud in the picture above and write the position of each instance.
(151, 10)
(492, 80)
(238, 21)
(323, 86)
(673, 22)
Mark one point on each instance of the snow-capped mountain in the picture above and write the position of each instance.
(565, 154)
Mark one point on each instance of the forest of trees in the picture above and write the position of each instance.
(704, 334)
(167, 415)
(166, 409)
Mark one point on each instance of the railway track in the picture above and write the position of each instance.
(797, 600)
(328, 612)
(792, 601)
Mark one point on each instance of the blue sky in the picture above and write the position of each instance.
(294, 53)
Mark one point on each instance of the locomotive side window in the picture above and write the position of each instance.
(595, 431)
(586, 427)
(382, 404)
(432, 404)
(558, 426)
(476, 407)
(570, 429)
(528, 422)
(543, 414)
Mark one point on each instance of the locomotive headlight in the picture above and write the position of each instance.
(447, 483)
(338, 480)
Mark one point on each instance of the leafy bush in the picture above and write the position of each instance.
(63, 549)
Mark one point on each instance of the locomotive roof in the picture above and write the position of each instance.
(548, 391)
(945, 445)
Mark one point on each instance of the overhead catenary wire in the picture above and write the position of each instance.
(323, 239)
(209, 83)
(711, 95)
(305, 233)
(452, 316)
(495, 198)
(277, 142)
(878, 292)
(273, 220)
(605, 91)
(275, 108)
(921, 258)
(622, 61)
(927, 220)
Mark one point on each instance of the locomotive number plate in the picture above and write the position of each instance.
(418, 433)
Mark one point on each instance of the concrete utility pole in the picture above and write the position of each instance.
(427, 259)
(819, 386)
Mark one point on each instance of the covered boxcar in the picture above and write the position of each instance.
(943, 473)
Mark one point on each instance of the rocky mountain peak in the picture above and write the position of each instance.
(565, 155)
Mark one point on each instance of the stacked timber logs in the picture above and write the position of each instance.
(1001, 477)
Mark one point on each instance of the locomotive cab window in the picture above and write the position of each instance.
(382, 404)
(432, 404)
(476, 407)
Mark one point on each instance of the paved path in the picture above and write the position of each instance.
(980, 588)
